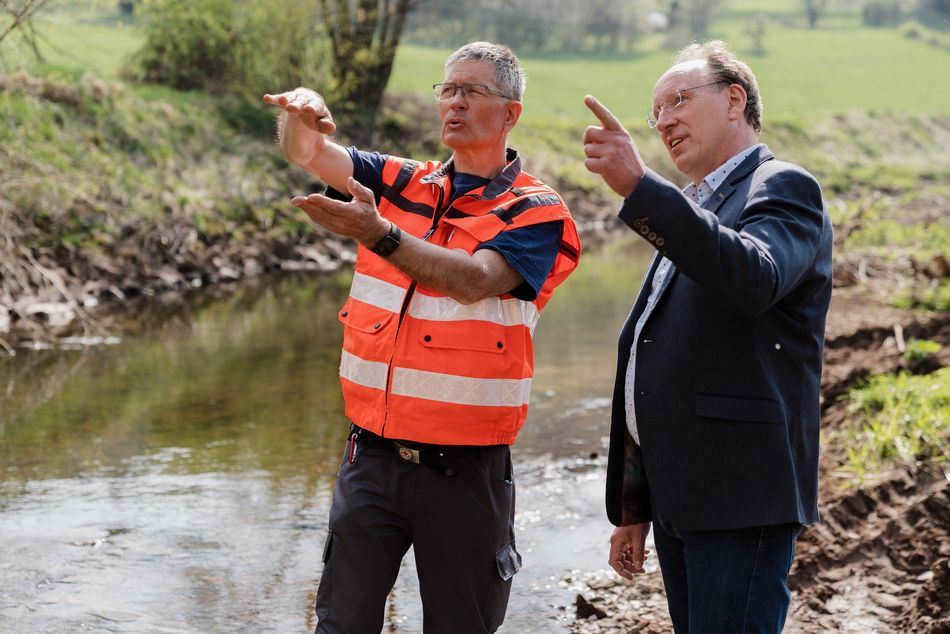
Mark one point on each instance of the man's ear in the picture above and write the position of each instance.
(737, 101)
(512, 114)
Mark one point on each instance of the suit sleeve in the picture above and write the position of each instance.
(751, 267)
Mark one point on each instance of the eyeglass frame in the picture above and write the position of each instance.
(464, 88)
(654, 120)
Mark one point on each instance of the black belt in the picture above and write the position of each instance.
(432, 456)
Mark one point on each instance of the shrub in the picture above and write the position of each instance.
(881, 13)
(189, 44)
(237, 47)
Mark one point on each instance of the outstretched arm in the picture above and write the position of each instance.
(303, 126)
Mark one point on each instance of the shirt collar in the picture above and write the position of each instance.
(498, 185)
(701, 193)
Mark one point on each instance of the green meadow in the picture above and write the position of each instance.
(805, 74)
(877, 78)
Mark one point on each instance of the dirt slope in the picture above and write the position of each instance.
(879, 561)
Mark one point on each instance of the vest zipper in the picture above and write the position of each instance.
(436, 217)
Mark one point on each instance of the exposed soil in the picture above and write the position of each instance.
(879, 561)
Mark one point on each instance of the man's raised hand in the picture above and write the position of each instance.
(611, 152)
(309, 107)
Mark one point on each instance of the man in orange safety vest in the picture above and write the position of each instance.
(455, 262)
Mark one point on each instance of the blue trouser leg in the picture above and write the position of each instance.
(726, 581)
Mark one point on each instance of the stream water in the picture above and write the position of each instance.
(178, 479)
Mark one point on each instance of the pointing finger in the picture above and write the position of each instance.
(607, 119)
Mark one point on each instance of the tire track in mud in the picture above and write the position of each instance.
(879, 561)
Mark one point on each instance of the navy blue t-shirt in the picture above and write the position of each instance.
(530, 250)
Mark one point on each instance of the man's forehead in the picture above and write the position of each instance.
(680, 76)
(471, 67)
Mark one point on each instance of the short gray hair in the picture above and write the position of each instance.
(723, 64)
(509, 75)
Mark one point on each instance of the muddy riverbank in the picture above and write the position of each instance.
(879, 561)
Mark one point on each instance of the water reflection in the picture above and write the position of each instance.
(179, 481)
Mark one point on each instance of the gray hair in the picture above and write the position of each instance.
(509, 75)
(723, 64)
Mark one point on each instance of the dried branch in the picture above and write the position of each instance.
(58, 284)
(21, 15)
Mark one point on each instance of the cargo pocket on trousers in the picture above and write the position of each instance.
(508, 560)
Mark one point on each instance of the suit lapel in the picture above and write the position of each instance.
(746, 167)
(714, 202)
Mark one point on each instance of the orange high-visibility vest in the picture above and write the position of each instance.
(418, 365)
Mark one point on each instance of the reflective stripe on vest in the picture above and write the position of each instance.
(505, 312)
(435, 386)
(376, 292)
(366, 373)
(461, 390)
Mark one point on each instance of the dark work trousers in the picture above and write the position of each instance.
(461, 529)
(726, 581)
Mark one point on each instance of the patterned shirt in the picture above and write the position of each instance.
(699, 194)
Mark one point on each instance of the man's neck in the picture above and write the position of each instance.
(481, 163)
(738, 144)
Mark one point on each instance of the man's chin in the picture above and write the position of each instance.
(455, 141)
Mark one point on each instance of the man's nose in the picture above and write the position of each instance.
(665, 119)
(458, 100)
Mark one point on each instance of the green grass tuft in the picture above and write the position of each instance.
(903, 420)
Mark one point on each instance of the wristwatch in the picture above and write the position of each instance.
(388, 243)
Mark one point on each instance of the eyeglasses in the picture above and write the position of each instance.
(447, 92)
(674, 101)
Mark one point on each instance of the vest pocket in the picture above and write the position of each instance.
(364, 318)
(463, 335)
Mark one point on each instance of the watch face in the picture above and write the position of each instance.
(388, 243)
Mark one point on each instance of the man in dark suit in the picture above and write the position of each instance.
(714, 430)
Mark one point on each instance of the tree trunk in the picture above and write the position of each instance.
(364, 36)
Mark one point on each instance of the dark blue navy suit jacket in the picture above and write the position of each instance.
(729, 362)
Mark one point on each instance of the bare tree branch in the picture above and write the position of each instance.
(20, 15)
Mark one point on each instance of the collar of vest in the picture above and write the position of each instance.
(498, 185)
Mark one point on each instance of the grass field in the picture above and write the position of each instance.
(75, 41)
(805, 74)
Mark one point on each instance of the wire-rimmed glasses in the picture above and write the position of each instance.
(674, 101)
(446, 91)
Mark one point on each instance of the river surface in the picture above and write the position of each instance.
(179, 479)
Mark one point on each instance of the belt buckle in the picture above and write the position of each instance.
(406, 453)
